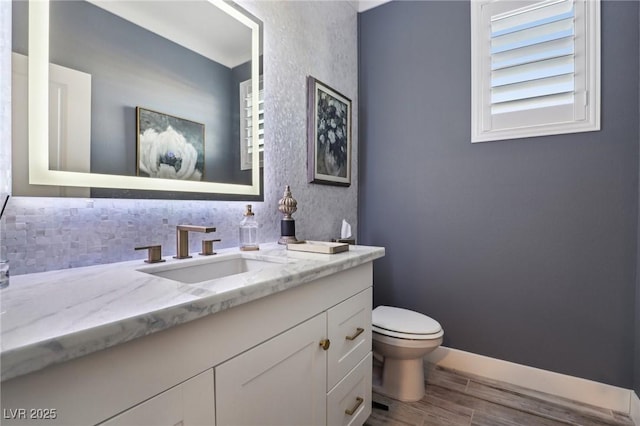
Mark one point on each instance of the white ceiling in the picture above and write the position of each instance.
(362, 5)
(197, 25)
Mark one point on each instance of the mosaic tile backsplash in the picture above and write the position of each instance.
(54, 233)
(5, 112)
(5, 89)
(300, 39)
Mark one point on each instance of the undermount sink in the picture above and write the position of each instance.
(210, 269)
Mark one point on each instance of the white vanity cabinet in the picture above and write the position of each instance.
(188, 404)
(316, 373)
(260, 363)
(280, 382)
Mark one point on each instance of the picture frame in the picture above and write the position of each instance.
(329, 121)
(169, 147)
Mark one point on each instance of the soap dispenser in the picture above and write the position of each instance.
(249, 231)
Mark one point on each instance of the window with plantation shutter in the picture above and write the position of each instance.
(535, 68)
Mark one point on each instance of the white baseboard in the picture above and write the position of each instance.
(635, 408)
(574, 388)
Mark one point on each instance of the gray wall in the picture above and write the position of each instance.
(300, 39)
(636, 383)
(524, 250)
(636, 364)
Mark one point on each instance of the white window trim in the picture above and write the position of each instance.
(479, 71)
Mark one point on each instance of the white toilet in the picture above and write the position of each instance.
(403, 337)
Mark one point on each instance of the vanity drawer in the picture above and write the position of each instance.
(349, 330)
(349, 403)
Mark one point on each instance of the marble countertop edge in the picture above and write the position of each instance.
(198, 301)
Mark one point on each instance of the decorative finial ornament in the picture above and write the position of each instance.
(287, 206)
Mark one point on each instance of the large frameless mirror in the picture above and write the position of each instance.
(142, 99)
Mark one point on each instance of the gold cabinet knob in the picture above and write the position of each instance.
(325, 343)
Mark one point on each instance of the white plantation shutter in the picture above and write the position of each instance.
(535, 68)
(246, 124)
(248, 127)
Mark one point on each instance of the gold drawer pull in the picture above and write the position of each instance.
(350, 412)
(358, 332)
(325, 343)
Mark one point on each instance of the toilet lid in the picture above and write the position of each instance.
(404, 321)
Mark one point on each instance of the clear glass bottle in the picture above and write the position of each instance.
(249, 231)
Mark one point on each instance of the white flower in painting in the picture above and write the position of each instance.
(339, 106)
(332, 136)
(168, 155)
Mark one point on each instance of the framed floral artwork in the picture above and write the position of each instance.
(328, 135)
(169, 147)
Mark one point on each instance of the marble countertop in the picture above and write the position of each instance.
(51, 317)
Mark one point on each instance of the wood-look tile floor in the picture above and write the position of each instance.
(456, 399)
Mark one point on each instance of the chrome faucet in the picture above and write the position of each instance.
(182, 238)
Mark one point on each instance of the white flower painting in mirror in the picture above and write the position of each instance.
(169, 147)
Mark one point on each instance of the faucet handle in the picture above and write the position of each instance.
(154, 254)
(207, 247)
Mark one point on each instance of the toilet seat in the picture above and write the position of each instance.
(405, 324)
(407, 336)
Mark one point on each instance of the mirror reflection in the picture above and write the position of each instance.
(158, 89)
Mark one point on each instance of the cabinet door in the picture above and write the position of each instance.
(349, 402)
(279, 382)
(349, 329)
(189, 404)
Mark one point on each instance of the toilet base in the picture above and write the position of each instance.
(402, 379)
